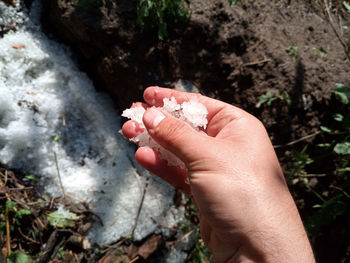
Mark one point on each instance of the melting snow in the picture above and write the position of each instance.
(48, 106)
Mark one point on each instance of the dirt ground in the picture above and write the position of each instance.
(298, 50)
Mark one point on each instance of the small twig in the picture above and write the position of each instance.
(313, 175)
(116, 245)
(19, 189)
(59, 176)
(50, 244)
(75, 198)
(256, 62)
(27, 238)
(298, 140)
(142, 198)
(171, 243)
(37, 203)
(63, 120)
(140, 207)
(341, 189)
(57, 247)
(6, 177)
(93, 213)
(40, 222)
(330, 21)
(8, 237)
(315, 193)
(258, 43)
(51, 203)
(19, 202)
(137, 178)
(134, 259)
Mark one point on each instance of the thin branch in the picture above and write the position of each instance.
(297, 141)
(59, 176)
(312, 175)
(330, 21)
(27, 238)
(341, 189)
(8, 236)
(20, 189)
(138, 173)
(7, 223)
(140, 207)
(256, 62)
(142, 198)
(134, 260)
(171, 243)
(6, 177)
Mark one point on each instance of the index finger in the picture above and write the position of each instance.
(154, 96)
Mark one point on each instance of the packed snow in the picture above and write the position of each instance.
(48, 107)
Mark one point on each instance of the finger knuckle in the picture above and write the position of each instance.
(174, 130)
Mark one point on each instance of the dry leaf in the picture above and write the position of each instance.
(114, 258)
(146, 249)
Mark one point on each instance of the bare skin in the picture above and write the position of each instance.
(246, 211)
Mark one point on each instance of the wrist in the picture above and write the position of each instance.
(291, 246)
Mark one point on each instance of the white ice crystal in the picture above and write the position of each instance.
(135, 114)
(171, 105)
(192, 112)
(195, 113)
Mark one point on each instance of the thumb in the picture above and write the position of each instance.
(176, 135)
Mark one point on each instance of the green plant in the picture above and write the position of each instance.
(271, 96)
(201, 254)
(331, 181)
(340, 130)
(32, 178)
(293, 51)
(62, 218)
(18, 257)
(322, 52)
(16, 215)
(327, 212)
(342, 93)
(161, 15)
(342, 147)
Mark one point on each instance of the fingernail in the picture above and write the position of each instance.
(152, 117)
(151, 94)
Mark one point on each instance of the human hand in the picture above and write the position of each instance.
(246, 211)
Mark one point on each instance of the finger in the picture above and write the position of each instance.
(219, 113)
(131, 129)
(154, 96)
(138, 104)
(176, 135)
(175, 176)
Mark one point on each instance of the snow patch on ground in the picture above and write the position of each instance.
(48, 106)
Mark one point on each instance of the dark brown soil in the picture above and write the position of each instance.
(219, 51)
(232, 53)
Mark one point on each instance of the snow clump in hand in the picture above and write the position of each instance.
(192, 112)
